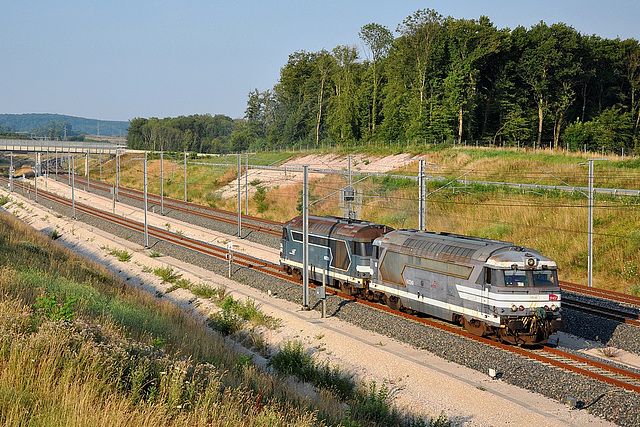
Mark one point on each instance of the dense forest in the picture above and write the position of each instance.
(437, 78)
(199, 133)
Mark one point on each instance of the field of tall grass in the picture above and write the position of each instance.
(553, 222)
(80, 347)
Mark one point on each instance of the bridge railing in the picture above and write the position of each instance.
(39, 146)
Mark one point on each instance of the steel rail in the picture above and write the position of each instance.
(187, 242)
(107, 187)
(606, 312)
(521, 351)
(183, 206)
(601, 293)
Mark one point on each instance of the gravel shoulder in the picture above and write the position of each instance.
(420, 382)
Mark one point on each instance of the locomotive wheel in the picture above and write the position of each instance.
(475, 327)
(345, 288)
(393, 302)
(296, 274)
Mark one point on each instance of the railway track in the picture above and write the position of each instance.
(619, 315)
(251, 222)
(274, 228)
(597, 370)
(165, 235)
(617, 310)
(601, 293)
(627, 380)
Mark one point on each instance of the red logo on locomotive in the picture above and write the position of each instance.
(553, 297)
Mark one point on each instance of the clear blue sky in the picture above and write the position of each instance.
(120, 59)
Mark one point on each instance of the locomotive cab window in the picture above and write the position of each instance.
(491, 276)
(545, 278)
(515, 278)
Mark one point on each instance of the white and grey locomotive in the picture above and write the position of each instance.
(492, 288)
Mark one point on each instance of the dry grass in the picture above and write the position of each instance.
(554, 224)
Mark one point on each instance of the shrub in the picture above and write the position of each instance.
(225, 321)
(292, 359)
(48, 307)
(206, 291)
(121, 254)
(261, 199)
(167, 274)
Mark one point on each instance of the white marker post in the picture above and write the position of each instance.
(230, 256)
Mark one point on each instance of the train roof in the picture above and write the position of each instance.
(444, 245)
(339, 227)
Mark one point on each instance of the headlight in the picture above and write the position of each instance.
(553, 307)
(514, 308)
(521, 308)
(531, 262)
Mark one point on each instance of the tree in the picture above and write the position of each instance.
(298, 95)
(631, 69)
(378, 39)
(550, 66)
(420, 32)
(539, 53)
(343, 112)
(324, 62)
(470, 44)
(567, 75)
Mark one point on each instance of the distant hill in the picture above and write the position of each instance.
(39, 124)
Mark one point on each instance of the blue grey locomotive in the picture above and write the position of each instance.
(492, 288)
(341, 247)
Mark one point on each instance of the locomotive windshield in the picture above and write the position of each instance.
(515, 278)
(530, 278)
(545, 278)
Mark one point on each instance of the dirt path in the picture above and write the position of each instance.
(280, 178)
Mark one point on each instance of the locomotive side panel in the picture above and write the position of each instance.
(431, 286)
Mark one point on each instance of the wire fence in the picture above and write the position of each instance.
(418, 144)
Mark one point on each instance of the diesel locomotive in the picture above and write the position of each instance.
(493, 288)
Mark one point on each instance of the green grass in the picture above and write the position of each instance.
(292, 359)
(234, 315)
(122, 254)
(79, 347)
(167, 274)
